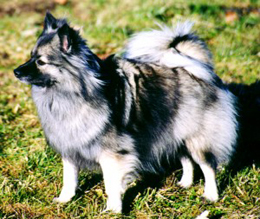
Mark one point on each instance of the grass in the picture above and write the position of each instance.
(31, 172)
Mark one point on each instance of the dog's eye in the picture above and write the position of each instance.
(40, 62)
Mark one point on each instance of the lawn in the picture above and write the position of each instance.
(31, 172)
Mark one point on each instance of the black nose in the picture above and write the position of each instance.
(17, 72)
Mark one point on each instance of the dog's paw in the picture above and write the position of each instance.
(65, 196)
(211, 196)
(117, 210)
(61, 199)
(115, 207)
(185, 183)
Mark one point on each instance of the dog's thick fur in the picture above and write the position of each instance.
(162, 100)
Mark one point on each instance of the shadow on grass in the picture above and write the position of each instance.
(248, 148)
(247, 151)
(88, 184)
(148, 181)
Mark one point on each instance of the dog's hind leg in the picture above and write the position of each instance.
(207, 163)
(117, 172)
(187, 175)
(70, 181)
(210, 188)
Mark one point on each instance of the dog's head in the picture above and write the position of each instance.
(58, 58)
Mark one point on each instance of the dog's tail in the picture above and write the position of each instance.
(172, 48)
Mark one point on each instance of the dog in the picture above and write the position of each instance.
(159, 101)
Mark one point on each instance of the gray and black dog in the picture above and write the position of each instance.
(160, 101)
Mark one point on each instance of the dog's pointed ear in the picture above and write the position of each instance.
(50, 21)
(65, 38)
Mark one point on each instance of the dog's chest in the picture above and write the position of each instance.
(69, 125)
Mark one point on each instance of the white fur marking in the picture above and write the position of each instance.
(172, 59)
(203, 215)
(187, 176)
(113, 181)
(115, 169)
(210, 190)
(70, 181)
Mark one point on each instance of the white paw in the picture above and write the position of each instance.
(185, 183)
(203, 215)
(62, 199)
(211, 195)
(115, 207)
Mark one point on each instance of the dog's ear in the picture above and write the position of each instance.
(50, 22)
(65, 36)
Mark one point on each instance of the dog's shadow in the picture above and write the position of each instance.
(93, 180)
(247, 150)
(245, 156)
(148, 181)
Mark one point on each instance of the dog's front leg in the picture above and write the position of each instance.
(117, 172)
(70, 181)
(113, 178)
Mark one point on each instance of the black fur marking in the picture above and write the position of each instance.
(123, 152)
(114, 89)
(45, 40)
(211, 159)
(211, 98)
(152, 112)
(178, 39)
(50, 104)
(49, 21)
(54, 26)
(177, 93)
(84, 91)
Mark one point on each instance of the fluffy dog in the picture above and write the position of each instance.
(161, 100)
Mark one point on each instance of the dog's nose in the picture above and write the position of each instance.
(17, 72)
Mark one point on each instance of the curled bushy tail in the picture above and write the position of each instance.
(172, 48)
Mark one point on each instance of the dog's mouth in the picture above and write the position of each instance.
(44, 83)
(24, 80)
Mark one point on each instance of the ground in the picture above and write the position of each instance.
(31, 172)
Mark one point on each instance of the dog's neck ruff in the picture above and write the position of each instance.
(68, 121)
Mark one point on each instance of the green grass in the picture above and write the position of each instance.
(31, 172)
